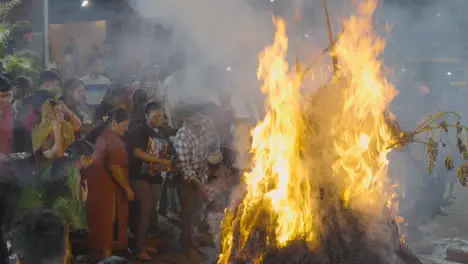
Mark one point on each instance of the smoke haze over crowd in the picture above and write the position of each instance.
(425, 52)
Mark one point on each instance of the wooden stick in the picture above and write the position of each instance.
(331, 38)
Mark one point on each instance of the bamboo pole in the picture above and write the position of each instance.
(331, 38)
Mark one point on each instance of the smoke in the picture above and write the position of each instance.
(425, 47)
(221, 40)
(425, 55)
(214, 36)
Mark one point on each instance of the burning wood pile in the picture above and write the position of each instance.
(319, 191)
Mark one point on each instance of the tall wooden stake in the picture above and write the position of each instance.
(330, 36)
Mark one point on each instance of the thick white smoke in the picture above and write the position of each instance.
(219, 35)
(426, 55)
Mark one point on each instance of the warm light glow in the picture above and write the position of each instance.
(346, 148)
(84, 3)
(361, 135)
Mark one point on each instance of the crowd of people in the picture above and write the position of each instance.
(104, 159)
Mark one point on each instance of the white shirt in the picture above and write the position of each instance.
(100, 80)
(95, 88)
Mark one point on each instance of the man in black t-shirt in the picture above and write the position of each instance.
(152, 153)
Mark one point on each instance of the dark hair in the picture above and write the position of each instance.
(69, 86)
(115, 95)
(190, 110)
(117, 114)
(94, 59)
(38, 235)
(23, 82)
(139, 100)
(114, 260)
(72, 84)
(79, 148)
(49, 76)
(60, 169)
(151, 106)
(8, 76)
(37, 99)
(5, 85)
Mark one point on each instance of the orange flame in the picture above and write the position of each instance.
(347, 148)
(360, 127)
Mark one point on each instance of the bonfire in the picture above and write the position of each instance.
(318, 190)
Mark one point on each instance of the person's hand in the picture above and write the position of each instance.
(64, 106)
(167, 165)
(130, 194)
(57, 128)
(207, 193)
(65, 109)
(84, 191)
(159, 167)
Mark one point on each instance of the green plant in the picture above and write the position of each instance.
(5, 27)
(19, 65)
(16, 63)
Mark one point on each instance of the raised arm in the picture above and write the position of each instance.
(57, 150)
(74, 120)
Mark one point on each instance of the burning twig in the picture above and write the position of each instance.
(306, 71)
(330, 35)
(436, 122)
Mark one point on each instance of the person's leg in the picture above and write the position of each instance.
(163, 199)
(155, 196)
(184, 198)
(189, 223)
(68, 249)
(143, 194)
(174, 202)
(106, 252)
(133, 215)
(4, 190)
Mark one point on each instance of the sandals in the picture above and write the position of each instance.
(144, 256)
(151, 249)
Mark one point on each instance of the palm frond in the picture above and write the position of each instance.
(6, 7)
(5, 37)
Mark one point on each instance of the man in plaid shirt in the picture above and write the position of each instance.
(194, 141)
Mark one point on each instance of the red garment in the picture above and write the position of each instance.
(107, 201)
(6, 130)
(31, 118)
